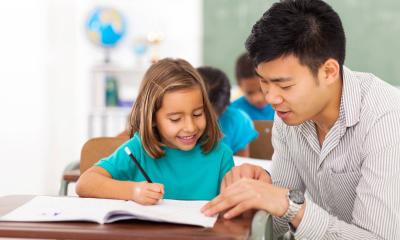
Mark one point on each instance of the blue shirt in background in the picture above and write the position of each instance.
(237, 127)
(186, 175)
(265, 113)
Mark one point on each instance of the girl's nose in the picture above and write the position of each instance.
(190, 125)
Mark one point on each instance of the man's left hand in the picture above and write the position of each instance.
(246, 194)
(245, 171)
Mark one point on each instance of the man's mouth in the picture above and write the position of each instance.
(283, 114)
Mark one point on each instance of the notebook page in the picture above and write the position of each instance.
(45, 208)
(174, 211)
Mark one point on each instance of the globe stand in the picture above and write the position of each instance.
(107, 56)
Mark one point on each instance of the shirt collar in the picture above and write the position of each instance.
(350, 104)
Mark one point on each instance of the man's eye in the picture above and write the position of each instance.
(287, 87)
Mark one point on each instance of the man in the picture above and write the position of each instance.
(337, 134)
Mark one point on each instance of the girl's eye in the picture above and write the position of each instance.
(174, 119)
(198, 114)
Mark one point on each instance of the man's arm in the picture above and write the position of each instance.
(376, 213)
(260, 194)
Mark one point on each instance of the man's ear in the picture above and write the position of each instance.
(330, 71)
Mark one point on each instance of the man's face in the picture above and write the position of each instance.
(294, 92)
(252, 91)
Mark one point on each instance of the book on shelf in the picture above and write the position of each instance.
(55, 209)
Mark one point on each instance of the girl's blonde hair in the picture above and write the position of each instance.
(165, 76)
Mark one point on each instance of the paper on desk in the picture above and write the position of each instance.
(266, 164)
(45, 209)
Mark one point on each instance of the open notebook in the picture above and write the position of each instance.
(49, 209)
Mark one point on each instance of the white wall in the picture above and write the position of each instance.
(45, 73)
(23, 98)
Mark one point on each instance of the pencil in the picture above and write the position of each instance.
(137, 164)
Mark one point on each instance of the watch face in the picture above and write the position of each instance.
(296, 196)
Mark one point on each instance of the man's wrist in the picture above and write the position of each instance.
(298, 217)
(295, 199)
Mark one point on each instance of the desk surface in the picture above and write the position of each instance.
(238, 228)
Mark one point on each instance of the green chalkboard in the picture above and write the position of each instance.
(372, 30)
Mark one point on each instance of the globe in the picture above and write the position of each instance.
(105, 27)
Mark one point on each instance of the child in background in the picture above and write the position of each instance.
(253, 102)
(236, 125)
(175, 137)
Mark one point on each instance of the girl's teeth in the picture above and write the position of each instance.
(188, 137)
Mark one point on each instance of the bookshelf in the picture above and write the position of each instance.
(113, 91)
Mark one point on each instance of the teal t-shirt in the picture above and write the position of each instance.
(186, 175)
(237, 127)
(265, 113)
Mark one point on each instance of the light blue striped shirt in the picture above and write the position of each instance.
(353, 180)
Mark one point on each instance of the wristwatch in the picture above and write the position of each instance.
(296, 200)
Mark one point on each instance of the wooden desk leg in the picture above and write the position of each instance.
(261, 226)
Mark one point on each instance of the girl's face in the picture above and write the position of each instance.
(181, 119)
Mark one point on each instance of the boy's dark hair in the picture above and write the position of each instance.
(309, 29)
(244, 67)
(218, 87)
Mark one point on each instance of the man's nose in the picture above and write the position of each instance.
(273, 97)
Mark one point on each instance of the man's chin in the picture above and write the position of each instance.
(292, 121)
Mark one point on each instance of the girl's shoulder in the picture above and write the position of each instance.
(222, 148)
(134, 140)
(134, 143)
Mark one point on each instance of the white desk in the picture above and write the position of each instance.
(266, 164)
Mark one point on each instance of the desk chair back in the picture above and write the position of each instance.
(97, 148)
(262, 147)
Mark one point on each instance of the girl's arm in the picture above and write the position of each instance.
(97, 182)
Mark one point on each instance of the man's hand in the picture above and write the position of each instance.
(247, 194)
(244, 171)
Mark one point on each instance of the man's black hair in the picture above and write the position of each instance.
(309, 29)
(218, 87)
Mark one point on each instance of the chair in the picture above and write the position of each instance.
(262, 147)
(70, 174)
(261, 226)
(97, 148)
(92, 151)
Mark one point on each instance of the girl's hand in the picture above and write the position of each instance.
(147, 193)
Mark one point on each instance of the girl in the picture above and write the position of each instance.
(175, 137)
